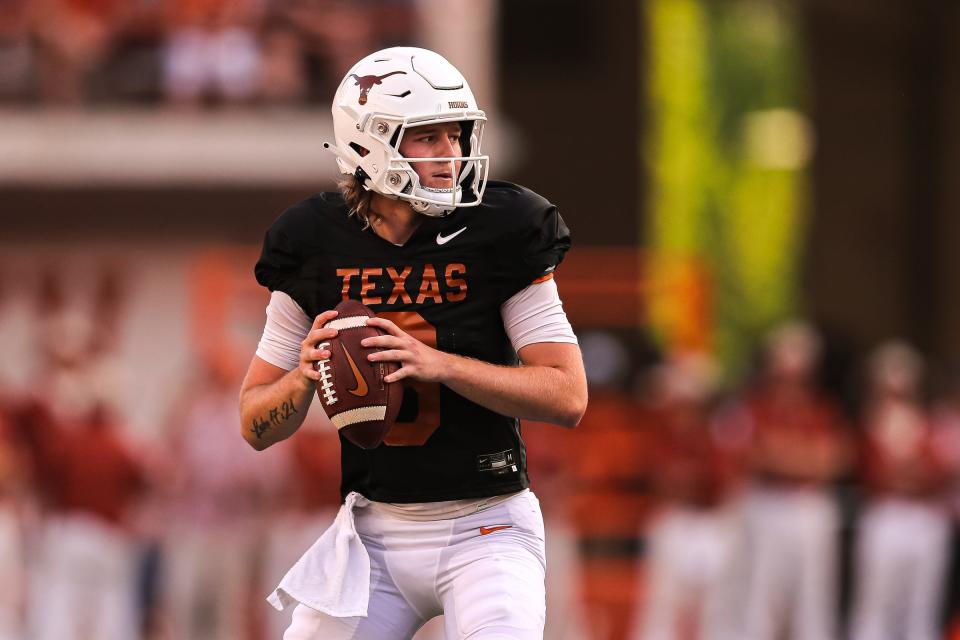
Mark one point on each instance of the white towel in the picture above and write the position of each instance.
(333, 576)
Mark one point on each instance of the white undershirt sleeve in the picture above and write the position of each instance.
(535, 314)
(287, 326)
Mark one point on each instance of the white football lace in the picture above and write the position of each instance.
(326, 382)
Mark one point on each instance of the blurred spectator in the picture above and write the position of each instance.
(903, 532)
(73, 38)
(609, 497)
(300, 514)
(693, 537)
(76, 339)
(798, 445)
(12, 566)
(332, 35)
(212, 50)
(85, 582)
(16, 56)
(216, 497)
(283, 60)
(76, 52)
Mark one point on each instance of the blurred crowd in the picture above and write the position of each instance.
(106, 533)
(772, 509)
(189, 52)
(680, 508)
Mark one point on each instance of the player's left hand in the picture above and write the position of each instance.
(417, 360)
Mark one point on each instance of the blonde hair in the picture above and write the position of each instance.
(357, 198)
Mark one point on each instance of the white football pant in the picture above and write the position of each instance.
(12, 570)
(85, 587)
(689, 573)
(902, 553)
(484, 572)
(792, 548)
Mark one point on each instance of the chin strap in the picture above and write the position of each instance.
(430, 209)
(361, 177)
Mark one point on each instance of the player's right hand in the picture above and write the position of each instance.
(310, 350)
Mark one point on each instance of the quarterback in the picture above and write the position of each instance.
(439, 519)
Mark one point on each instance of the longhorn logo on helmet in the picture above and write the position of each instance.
(367, 82)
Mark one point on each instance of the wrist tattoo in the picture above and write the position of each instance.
(277, 416)
(260, 426)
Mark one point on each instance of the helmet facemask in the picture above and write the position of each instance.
(469, 182)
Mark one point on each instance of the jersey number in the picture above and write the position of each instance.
(427, 419)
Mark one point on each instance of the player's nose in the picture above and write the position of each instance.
(448, 148)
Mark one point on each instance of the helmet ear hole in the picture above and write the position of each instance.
(466, 131)
(395, 137)
(361, 151)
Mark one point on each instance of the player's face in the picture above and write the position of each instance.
(433, 141)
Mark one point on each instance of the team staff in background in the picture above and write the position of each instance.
(439, 519)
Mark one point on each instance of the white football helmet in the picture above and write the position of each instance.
(389, 92)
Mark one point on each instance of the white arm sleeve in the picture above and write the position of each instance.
(287, 326)
(535, 314)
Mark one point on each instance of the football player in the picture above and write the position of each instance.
(438, 519)
(903, 529)
(796, 446)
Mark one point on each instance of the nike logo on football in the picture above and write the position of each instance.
(361, 389)
(441, 239)
(485, 531)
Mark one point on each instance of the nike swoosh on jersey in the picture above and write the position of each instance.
(441, 239)
(485, 531)
(361, 389)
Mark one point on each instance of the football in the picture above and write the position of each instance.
(359, 403)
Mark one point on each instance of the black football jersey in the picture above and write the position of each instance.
(445, 287)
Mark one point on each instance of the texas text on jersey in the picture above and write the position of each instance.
(444, 286)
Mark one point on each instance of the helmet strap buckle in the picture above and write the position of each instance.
(361, 176)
